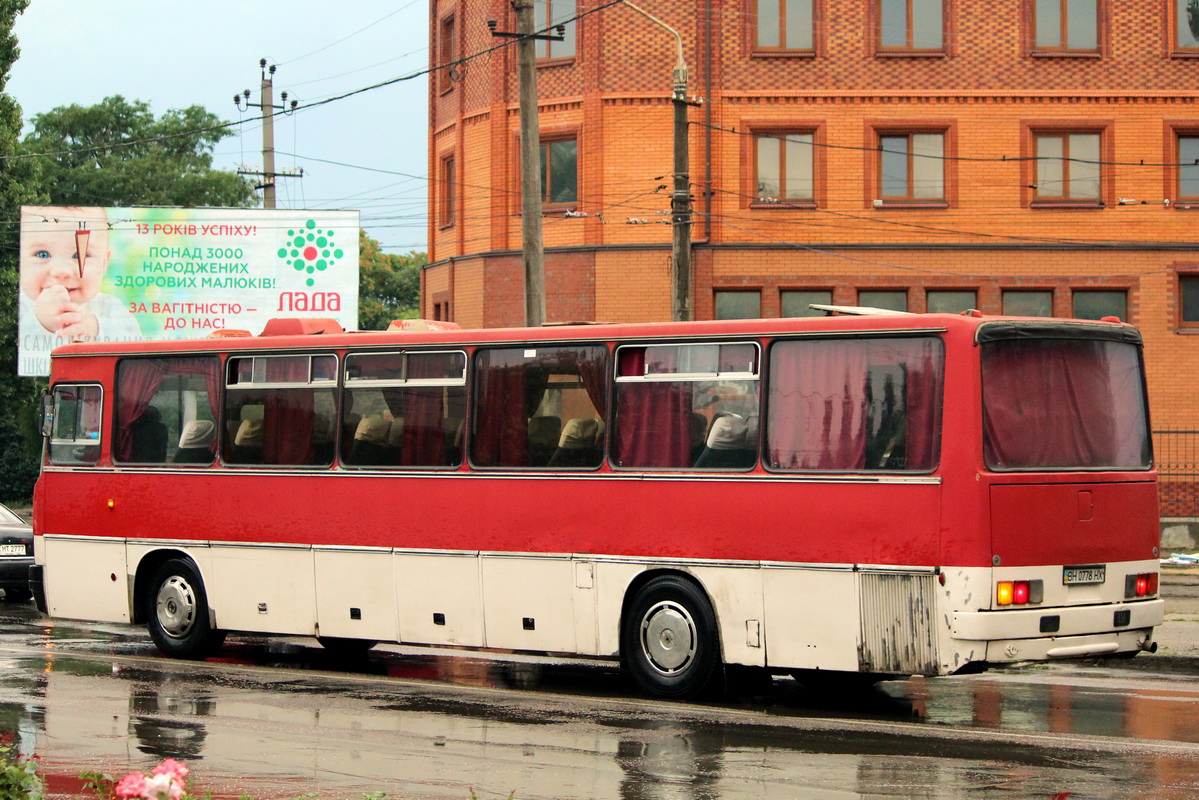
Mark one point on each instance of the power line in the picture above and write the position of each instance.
(349, 35)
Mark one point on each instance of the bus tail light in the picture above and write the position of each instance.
(1140, 585)
(1019, 593)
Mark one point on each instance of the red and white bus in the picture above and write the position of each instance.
(864, 493)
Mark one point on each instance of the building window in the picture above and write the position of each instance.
(448, 182)
(1028, 303)
(784, 25)
(738, 305)
(1066, 25)
(890, 299)
(448, 53)
(560, 171)
(784, 167)
(1188, 287)
(1068, 167)
(911, 25)
(951, 301)
(555, 12)
(797, 303)
(1188, 168)
(911, 167)
(1186, 22)
(1099, 304)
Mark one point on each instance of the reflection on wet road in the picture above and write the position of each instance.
(280, 718)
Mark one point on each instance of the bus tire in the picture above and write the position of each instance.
(346, 649)
(177, 612)
(669, 641)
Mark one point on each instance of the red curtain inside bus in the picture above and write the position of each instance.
(137, 383)
(855, 404)
(1063, 404)
(424, 412)
(287, 419)
(653, 418)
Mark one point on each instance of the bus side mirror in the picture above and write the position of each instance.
(47, 414)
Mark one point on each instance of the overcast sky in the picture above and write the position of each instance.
(364, 152)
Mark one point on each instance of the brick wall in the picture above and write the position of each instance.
(987, 93)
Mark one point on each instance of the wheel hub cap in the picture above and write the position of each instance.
(176, 607)
(668, 637)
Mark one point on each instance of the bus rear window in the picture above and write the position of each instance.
(1063, 404)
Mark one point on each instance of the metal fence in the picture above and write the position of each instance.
(1177, 455)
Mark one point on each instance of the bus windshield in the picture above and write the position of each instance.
(1063, 404)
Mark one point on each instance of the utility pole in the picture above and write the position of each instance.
(680, 199)
(530, 168)
(531, 189)
(267, 104)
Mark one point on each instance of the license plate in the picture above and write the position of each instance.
(12, 549)
(1093, 573)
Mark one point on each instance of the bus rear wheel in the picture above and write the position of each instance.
(177, 612)
(346, 649)
(668, 640)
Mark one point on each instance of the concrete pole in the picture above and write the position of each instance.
(680, 207)
(268, 137)
(530, 167)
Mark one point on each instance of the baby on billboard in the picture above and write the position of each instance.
(63, 261)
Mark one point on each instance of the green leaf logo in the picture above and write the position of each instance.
(310, 250)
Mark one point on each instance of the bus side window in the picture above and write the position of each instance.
(75, 436)
(165, 406)
(404, 409)
(855, 404)
(687, 406)
(279, 409)
(540, 407)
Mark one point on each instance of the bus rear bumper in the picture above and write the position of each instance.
(1043, 634)
(1066, 647)
(1059, 622)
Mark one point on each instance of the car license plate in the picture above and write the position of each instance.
(1092, 573)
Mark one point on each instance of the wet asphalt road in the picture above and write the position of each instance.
(280, 719)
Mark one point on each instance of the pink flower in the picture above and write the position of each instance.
(133, 785)
(167, 783)
(173, 768)
(164, 787)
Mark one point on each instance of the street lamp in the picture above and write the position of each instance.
(680, 200)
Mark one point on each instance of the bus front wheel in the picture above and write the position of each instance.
(177, 612)
(669, 640)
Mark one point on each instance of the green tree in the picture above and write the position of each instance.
(19, 441)
(116, 153)
(388, 284)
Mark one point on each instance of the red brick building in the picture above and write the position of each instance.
(1018, 156)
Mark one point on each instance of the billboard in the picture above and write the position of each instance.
(118, 274)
